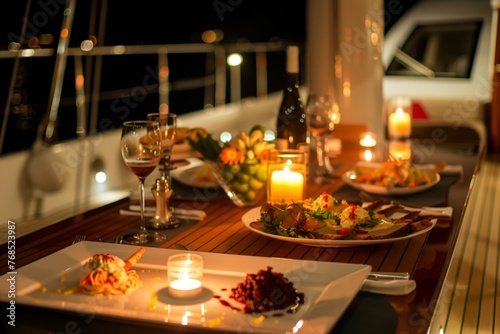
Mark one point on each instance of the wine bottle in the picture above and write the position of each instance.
(291, 126)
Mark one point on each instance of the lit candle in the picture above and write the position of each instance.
(286, 185)
(399, 124)
(185, 272)
(367, 140)
(185, 288)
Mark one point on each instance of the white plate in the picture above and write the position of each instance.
(254, 214)
(380, 190)
(186, 174)
(188, 177)
(328, 289)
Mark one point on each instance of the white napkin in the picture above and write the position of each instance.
(193, 214)
(392, 287)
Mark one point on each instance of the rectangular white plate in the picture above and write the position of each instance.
(328, 289)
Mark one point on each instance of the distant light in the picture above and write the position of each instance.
(119, 49)
(100, 177)
(33, 42)
(46, 39)
(14, 47)
(87, 45)
(225, 137)
(234, 59)
(97, 167)
(208, 36)
(27, 52)
(269, 135)
(212, 36)
(64, 33)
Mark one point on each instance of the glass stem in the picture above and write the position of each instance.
(142, 229)
(324, 165)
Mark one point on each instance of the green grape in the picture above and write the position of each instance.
(250, 195)
(255, 184)
(261, 174)
(243, 178)
(240, 187)
(235, 169)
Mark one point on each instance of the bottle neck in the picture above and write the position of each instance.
(292, 79)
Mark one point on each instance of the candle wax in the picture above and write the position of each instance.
(185, 288)
(286, 185)
(399, 124)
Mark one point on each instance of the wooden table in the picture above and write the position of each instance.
(425, 257)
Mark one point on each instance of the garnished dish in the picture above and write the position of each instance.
(391, 177)
(258, 293)
(325, 220)
(52, 282)
(106, 274)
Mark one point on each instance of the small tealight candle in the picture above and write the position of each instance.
(367, 140)
(185, 274)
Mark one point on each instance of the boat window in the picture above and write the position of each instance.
(437, 50)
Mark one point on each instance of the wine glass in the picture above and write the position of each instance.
(141, 152)
(168, 128)
(322, 115)
(164, 217)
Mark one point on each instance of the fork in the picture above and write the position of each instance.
(78, 238)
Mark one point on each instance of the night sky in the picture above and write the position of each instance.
(143, 22)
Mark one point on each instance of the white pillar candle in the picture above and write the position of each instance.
(286, 185)
(399, 124)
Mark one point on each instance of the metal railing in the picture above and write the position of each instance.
(87, 95)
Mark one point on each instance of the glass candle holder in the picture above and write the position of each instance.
(287, 176)
(185, 275)
(400, 149)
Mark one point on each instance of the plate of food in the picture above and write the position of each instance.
(182, 149)
(60, 282)
(391, 178)
(196, 175)
(328, 222)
